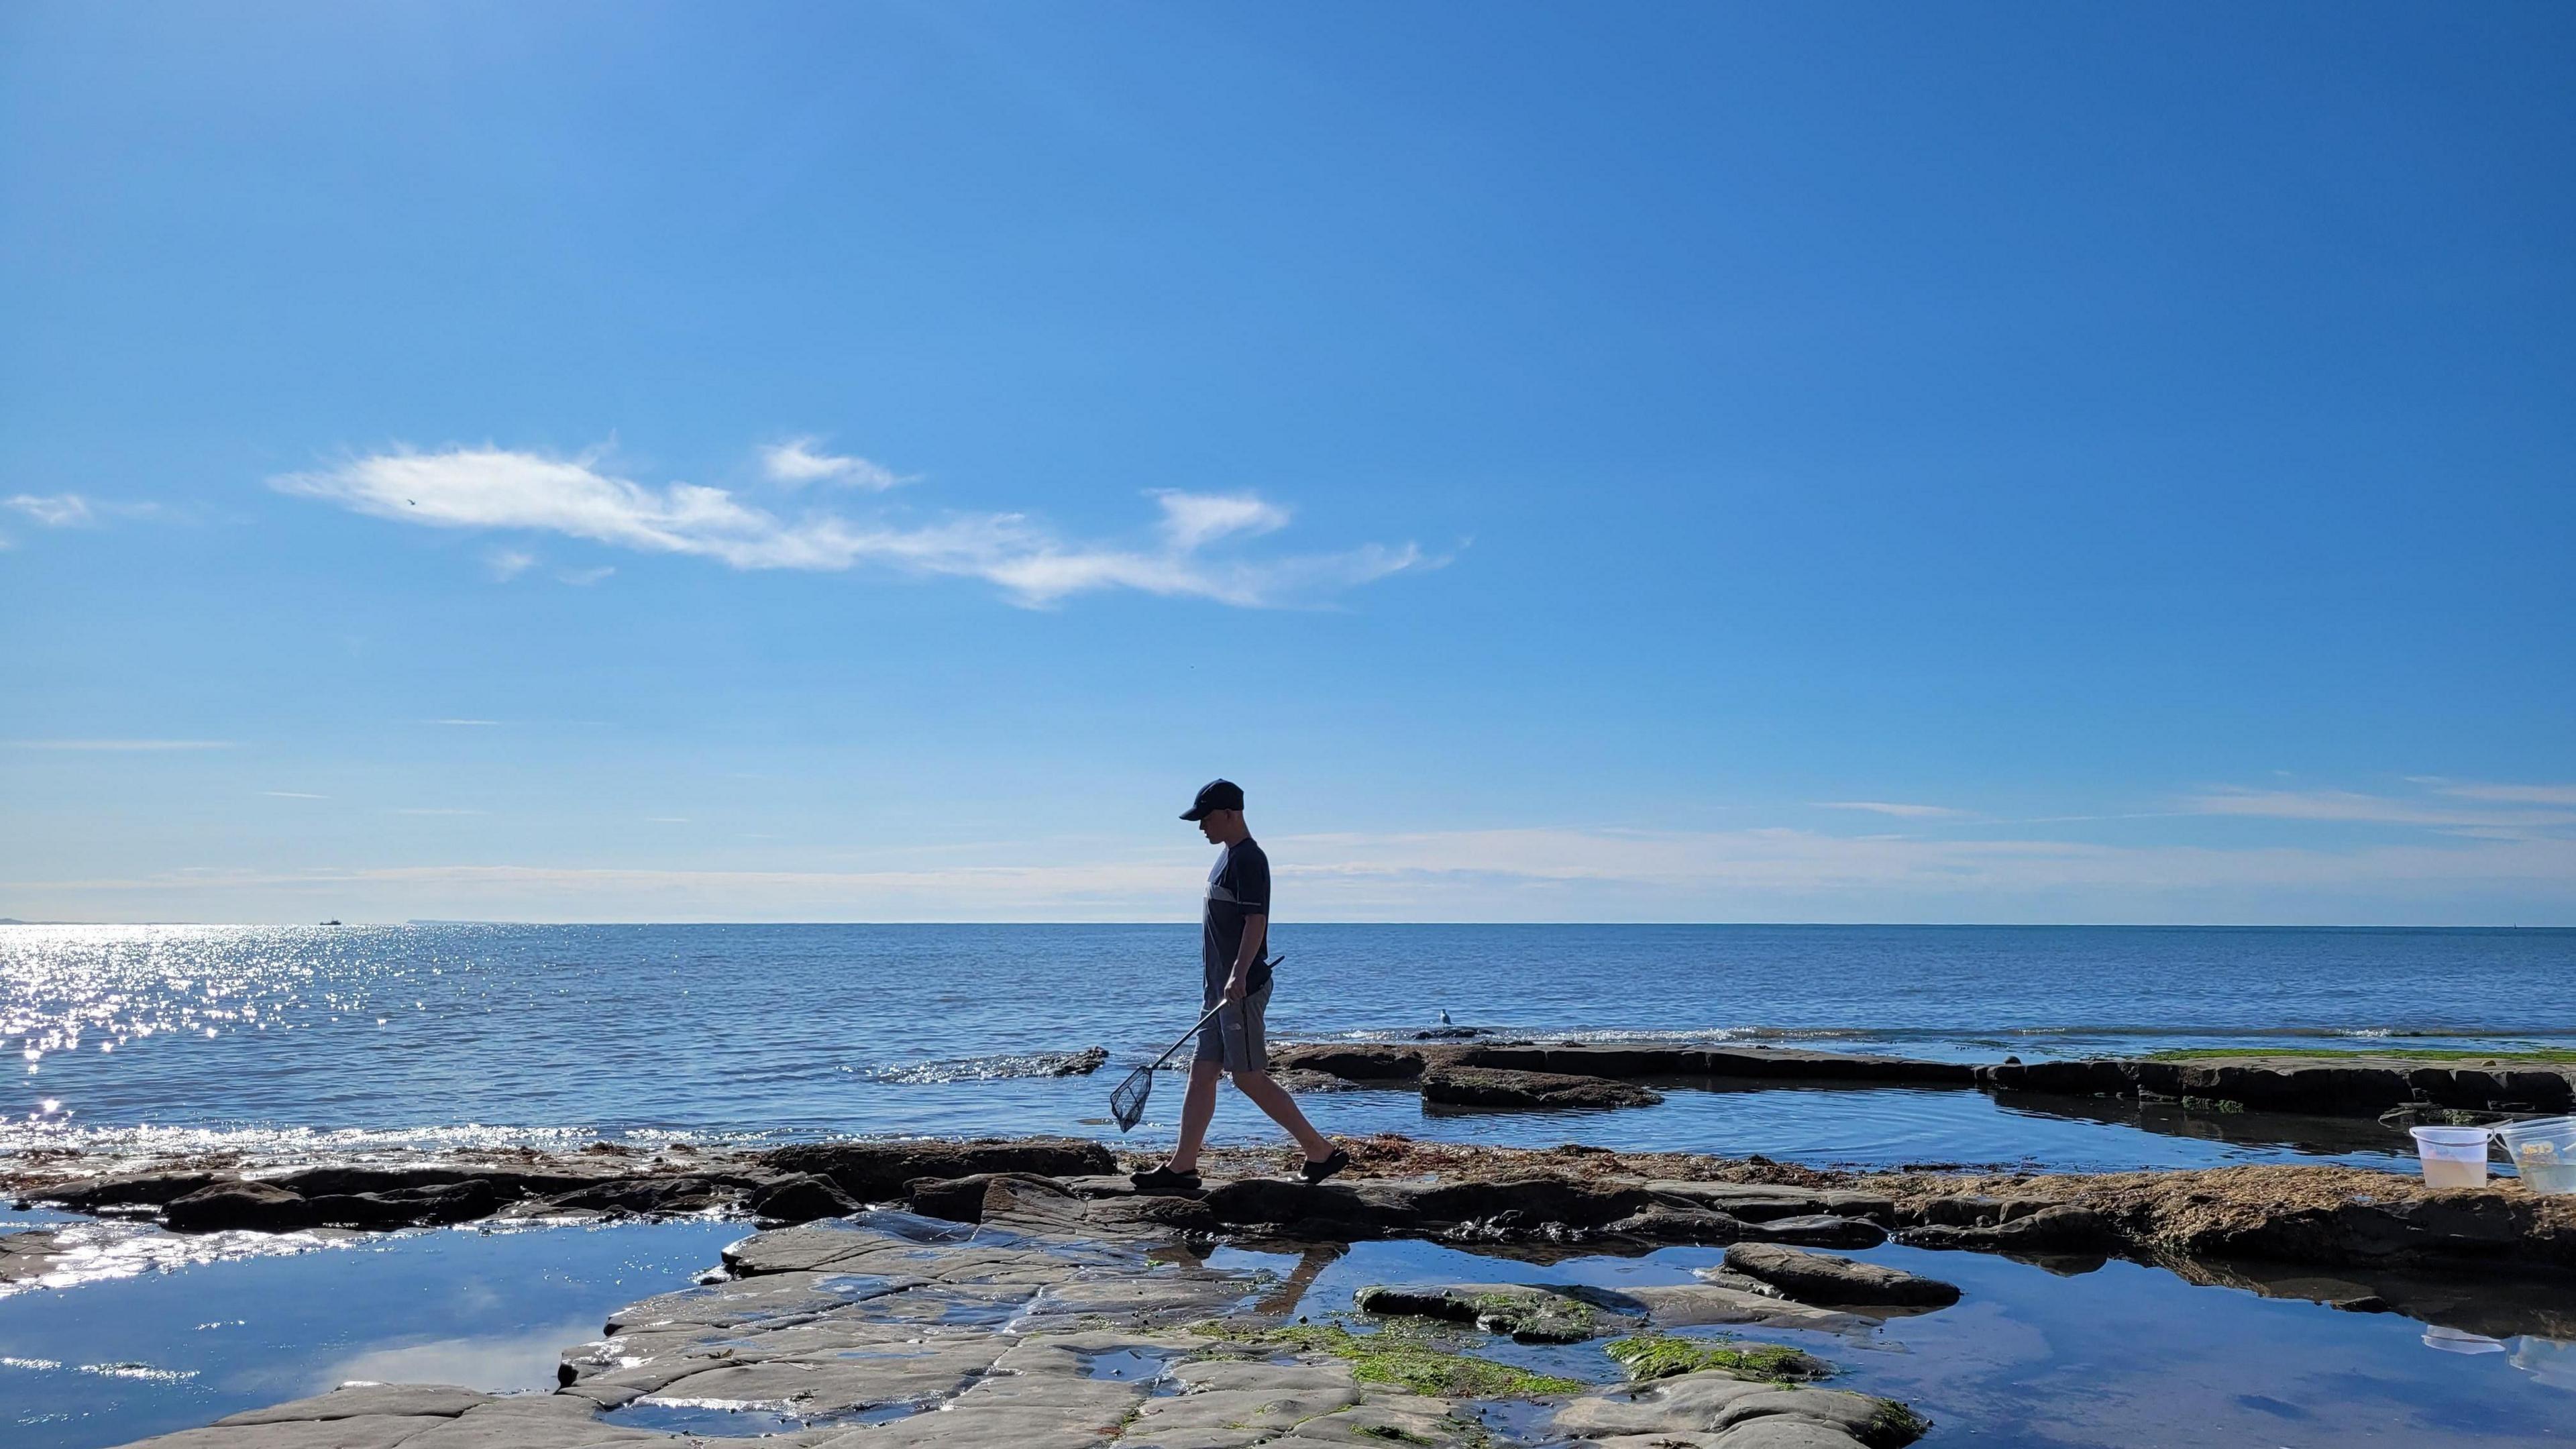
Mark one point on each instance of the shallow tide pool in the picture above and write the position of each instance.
(2121, 1355)
(111, 1361)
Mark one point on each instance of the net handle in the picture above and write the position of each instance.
(1201, 1024)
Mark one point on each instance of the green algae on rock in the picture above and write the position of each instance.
(1407, 1360)
(1659, 1356)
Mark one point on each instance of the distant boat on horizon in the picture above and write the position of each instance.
(330, 923)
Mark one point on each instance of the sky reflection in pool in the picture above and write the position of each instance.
(489, 1310)
(2124, 1355)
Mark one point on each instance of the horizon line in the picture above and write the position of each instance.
(1178, 922)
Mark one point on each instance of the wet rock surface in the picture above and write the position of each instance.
(1070, 1308)
(1493, 1089)
(786, 1184)
(1721, 1411)
(27, 1254)
(1403, 1063)
(1823, 1278)
(2357, 1084)
(2346, 1085)
(2318, 1216)
(886, 1328)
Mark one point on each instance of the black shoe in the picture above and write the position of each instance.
(1317, 1171)
(1163, 1179)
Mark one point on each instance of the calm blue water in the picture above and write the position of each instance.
(2125, 1356)
(254, 1036)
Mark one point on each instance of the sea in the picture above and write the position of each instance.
(278, 1039)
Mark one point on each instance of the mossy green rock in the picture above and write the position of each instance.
(1656, 1356)
(1528, 1314)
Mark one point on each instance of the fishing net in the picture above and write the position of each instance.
(1127, 1100)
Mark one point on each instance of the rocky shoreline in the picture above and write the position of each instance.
(1058, 1321)
(2322, 1215)
(1044, 1258)
(2342, 1085)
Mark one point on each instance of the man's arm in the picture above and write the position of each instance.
(1256, 934)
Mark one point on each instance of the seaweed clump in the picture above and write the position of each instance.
(1393, 1356)
(1658, 1356)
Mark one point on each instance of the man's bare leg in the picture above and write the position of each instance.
(1198, 1107)
(1272, 1098)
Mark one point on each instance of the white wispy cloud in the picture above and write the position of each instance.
(498, 488)
(122, 745)
(59, 510)
(2355, 807)
(1890, 807)
(1538, 873)
(1193, 519)
(508, 563)
(798, 461)
(584, 578)
(2506, 794)
(74, 510)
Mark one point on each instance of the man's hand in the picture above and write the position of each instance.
(1236, 988)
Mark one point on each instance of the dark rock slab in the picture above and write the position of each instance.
(1494, 1089)
(123, 1190)
(1820, 1230)
(1758, 1063)
(1391, 1063)
(1721, 1411)
(2064, 1228)
(1823, 1278)
(1687, 1305)
(802, 1199)
(641, 1196)
(425, 1206)
(1674, 1222)
(1374, 1063)
(357, 1179)
(223, 1206)
(1494, 1209)
(878, 1171)
(1528, 1313)
(2358, 1085)
(958, 1199)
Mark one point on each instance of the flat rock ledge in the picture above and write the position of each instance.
(2348, 1218)
(787, 1184)
(2354, 1085)
(1826, 1278)
(889, 1330)
(1492, 1089)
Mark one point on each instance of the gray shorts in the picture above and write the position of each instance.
(1234, 1038)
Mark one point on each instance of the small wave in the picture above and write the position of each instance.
(994, 1069)
(143, 1371)
(146, 1143)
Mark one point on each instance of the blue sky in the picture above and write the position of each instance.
(1980, 463)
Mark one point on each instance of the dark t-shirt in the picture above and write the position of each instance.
(1237, 887)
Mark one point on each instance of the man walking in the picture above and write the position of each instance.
(1233, 932)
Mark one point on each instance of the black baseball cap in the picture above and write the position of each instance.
(1214, 795)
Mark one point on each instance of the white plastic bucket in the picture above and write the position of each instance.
(2543, 1151)
(2452, 1156)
